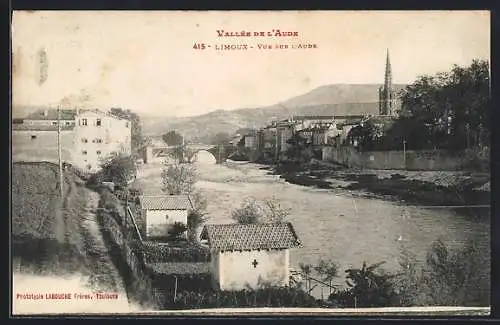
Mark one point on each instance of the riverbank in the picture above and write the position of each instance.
(431, 188)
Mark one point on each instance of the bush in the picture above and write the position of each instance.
(155, 253)
(451, 277)
(263, 297)
(177, 229)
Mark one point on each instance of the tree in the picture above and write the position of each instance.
(137, 140)
(449, 110)
(366, 135)
(253, 211)
(221, 138)
(274, 212)
(371, 289)
(177, 229)
(299, 150)
(172, 138)
(449, 277)
(249, 213)
(178, 179)
(196, 216)
(118, 168)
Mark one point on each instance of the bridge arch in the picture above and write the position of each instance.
(203, 156)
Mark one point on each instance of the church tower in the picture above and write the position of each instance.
(386, 94)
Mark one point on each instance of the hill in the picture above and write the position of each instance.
(337, 99)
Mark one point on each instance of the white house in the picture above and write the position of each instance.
(161, 212)
(97, 135)
(243, 256)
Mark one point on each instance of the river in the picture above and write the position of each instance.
(332, 225)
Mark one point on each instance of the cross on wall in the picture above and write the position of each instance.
(254, 263)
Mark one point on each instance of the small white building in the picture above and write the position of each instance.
(161, 212)
(244, 256)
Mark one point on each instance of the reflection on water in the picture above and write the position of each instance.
(337, 227)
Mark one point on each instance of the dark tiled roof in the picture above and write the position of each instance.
(27, 127)
(180, 268)
(66, 114)
(250, 237)
(165, 202)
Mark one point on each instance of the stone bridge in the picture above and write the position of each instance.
(220, 153)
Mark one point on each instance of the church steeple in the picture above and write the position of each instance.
(386, 93)
(388, 73)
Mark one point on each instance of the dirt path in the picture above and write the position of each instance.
(104, 276)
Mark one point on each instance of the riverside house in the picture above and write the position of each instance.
(245, 256)
(160, 212)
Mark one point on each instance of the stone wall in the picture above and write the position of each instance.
(409, 160)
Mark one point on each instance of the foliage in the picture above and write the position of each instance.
(451, 277)
(178, 179)
(371, 289)
(262, 297)
(365, 136)
(249, 213)
(172, 138)
(267, 211)
(138, 142)
(221, 138)
(177, 229)
(274, 212)
(325, 271)
(154, 252)
(195, 219)
(450, 110)
(299, 150)
(118, 168)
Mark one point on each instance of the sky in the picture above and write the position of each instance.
(145, 61)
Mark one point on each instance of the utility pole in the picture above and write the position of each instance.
(59, 150)
(404, 152)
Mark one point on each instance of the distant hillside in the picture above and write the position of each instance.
(338, 99)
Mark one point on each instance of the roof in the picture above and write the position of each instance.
(180, 268)
(165, 202)
(27, 127)
(250, 237)
(51, 114)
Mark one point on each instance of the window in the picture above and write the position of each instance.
(84, 121)
(126, 124)
(84, 152)
(98, 152)
(68, 123)
(98, 122)
(89, 166)
(54, 123)
(33, 137)
(84, 140)
(97, 141)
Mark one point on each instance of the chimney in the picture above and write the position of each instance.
(77, 110)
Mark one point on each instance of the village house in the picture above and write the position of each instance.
(49, 118)
(247, 255)
(160, 212)
(97, 135)
(87, 136)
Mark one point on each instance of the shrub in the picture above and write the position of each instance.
(155, 253)
(250, 212)
(177, 229)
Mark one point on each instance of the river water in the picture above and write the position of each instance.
(333, 225)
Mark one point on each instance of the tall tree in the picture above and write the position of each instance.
(172, 138)
(448, 110)
(138, 142)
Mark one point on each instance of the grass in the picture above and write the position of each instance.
(45, 230)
